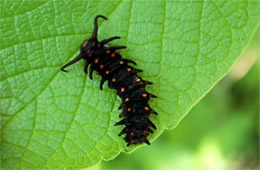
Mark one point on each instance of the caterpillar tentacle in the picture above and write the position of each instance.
(109, 39)
(109, 64)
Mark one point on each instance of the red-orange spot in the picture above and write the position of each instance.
(113, 55)
(132, 134)
(85, 43)
(127, 99)
(129, 109)
(96, 61)
(101, 66)
(129, 69)
(146, 108)
(121, 62)
(108, 51)
(138, 80)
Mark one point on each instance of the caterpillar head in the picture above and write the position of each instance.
(91, 42)
(86, 45)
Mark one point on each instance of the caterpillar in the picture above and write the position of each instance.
(121, 76)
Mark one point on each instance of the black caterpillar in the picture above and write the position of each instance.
(108, 63)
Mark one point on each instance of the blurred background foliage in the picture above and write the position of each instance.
(220, 132)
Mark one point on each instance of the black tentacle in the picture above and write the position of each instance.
(109, 39)
(94, 34)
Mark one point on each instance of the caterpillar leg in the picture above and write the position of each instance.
(86, 67)
(101, 83)
(91, 72)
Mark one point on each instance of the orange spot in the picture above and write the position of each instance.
(101, 66)
(107, 72)
(108, 51)
(121, 62)
(146, 108)
(96, 61)
(122, 89)
(127, 99)
(144, 95)
(113, 80)
(129, 109)
(138, 80)
(85, 43)
(132, 134)
(113, 55)
(129, 69)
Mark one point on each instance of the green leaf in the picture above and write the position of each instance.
(51, 119)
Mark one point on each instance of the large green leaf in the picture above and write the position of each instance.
(52, 119)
